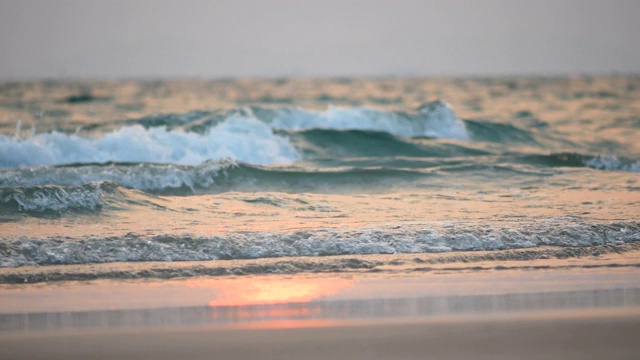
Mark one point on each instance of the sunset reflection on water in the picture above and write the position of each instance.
(268, 291)
(304, 301)
(259, 302)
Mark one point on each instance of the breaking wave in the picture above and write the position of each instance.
(434, 119)
(433, 238)
(335, 173)
(613, 163)
(59, 200)
(247, 135)
(54, 199)
(209, 177)
(599, 162)
(243, 138)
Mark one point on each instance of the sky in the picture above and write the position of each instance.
(53, 39)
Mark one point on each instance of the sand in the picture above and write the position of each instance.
(565, 335)
(550, 313)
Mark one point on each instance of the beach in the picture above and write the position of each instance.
(562, 336)
(249, 179)
(336, 218)
(563, 313)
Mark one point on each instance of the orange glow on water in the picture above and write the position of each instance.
(261, 291)
(290, 324)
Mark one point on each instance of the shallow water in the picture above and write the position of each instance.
(318, 300)
(127, 171)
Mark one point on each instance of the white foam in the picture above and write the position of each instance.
(54, 198)
(613, 163)
(436, 119)
(242, 138)
(148, 177)
(250, 245)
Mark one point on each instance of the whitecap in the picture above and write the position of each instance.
(245, 139)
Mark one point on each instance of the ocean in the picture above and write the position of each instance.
(288, 176)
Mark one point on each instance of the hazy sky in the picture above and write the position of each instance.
(169, 38)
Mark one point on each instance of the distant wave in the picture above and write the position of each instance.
(613, 163)
(600, 162)
(461, 237)
(338, 144)
(434, 119)
(246, 135)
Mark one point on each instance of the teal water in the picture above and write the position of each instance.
(301, 153)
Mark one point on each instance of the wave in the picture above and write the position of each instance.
(247, 135)
(433, 119)
(58, 200)
(330, 174)
(54, 199)
(243, 138)
(599, 162)
(325, 242)
(613, 163)
(209, 177)
(340, 144)
(148, 177)
(498, 133)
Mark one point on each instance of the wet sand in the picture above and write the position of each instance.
(565, 335)
(560, 313)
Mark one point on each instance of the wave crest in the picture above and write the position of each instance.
(144, 176)
(434, 119)
(458, 237)
(613, 163)
(243, 138)
(55, 199)
(248, 135)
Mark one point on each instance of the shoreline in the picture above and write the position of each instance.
(544, 257)
(238, 300)
(574, 308)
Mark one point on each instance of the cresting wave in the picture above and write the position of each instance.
(144, 176)
(613, 163)
(599, 162)
(445, 237)
(434, 119)
(41, 199)
(209, 177)
(58, 200)
(243, 138)
(245, 135)
(230, 175)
